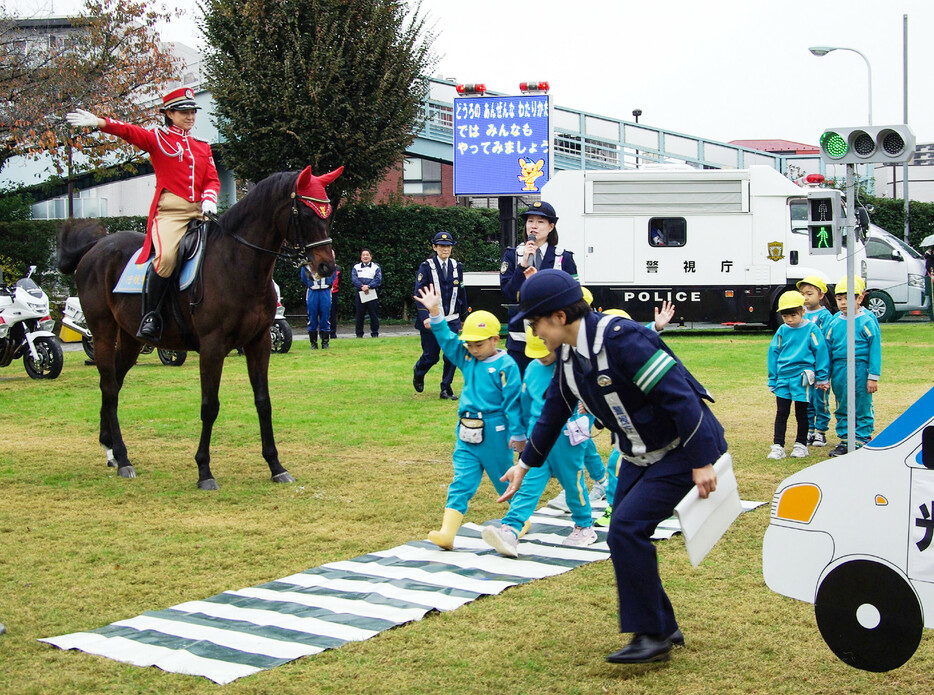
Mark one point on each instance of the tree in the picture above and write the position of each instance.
(320, 82)
(109, 61)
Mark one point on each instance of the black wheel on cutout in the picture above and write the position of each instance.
(868, 615)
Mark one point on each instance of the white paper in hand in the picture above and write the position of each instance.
(704, 521)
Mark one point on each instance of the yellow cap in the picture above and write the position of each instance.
(588, 295)
(790, 300)
(859, 285)
(534, 346)
(815, 280)
(480, 325)
(618, 312)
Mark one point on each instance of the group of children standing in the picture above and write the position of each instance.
(807, 358)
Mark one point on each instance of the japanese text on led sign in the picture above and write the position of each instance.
(502, 145)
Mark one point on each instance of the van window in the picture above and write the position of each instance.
(668, 231)
(798, 207)
(878, 249)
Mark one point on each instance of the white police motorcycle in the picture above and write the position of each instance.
(26, 329)
(73, 317)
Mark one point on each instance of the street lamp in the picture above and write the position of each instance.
(821, 51)
(635, 114)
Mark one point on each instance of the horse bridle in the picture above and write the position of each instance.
(294, 254)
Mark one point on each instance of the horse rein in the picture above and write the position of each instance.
(296, 255)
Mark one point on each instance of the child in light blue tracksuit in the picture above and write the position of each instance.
(565, 462)
(798, 360)
(490, 424)
(813, 288)
(868, 345)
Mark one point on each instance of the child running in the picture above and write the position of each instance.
(798, 358)
(490, 424)
(814, 289)
(565, 462)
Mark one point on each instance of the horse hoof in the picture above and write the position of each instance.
(126, 471)
(209, 484)
(283, 477)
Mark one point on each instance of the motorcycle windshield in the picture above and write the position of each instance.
(30, 287)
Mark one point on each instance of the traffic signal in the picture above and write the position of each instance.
(824, 222)
(886, 144)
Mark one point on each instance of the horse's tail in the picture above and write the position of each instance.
(75, 239)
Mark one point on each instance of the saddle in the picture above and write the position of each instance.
(190, 257)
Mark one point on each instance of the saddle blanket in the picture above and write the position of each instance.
(239, 633)
(131, 279)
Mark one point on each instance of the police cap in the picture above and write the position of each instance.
(443, 239)
(540, 207)
(547, 291)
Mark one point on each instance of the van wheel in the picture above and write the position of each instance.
(869, 616)
(880, 304)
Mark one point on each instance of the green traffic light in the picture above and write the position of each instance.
(833, 144)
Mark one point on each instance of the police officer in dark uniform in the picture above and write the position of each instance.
(667, 437)
(447, 275)
(539, 252)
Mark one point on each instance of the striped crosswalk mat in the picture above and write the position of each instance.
(238, 633)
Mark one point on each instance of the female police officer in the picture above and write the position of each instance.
(539, 252)
(187, 187)
(667, 437)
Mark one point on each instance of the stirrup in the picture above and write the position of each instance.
(150, 328)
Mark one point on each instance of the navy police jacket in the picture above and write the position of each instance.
(511, 277)
(449, 285)
(635, 386)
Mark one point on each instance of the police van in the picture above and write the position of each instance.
(721, 244)
(894, 273)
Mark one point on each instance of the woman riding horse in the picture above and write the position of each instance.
(186, 188)
(284, 215)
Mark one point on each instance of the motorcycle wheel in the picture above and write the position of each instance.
(281, 334)
(50, 362)
(172, 358)
(88, 344)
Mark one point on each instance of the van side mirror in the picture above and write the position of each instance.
(862, 223)
(927, 447)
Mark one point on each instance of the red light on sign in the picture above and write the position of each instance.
(471, 89)
(525, 87)
(814, 178)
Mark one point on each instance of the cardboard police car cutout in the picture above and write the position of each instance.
(854, 535)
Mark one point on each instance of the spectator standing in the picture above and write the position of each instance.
(366, 277)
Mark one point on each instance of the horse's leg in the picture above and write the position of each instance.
(212, 365)
(257, 360)
(114, 356)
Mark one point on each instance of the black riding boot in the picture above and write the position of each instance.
(153, 292)
(313, 339)
(325, 337)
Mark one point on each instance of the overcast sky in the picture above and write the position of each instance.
(718, 69)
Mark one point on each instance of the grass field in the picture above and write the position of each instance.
(81, 548)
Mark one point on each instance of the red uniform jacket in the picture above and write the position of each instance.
(183, 164)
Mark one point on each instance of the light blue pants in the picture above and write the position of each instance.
(612, 470)
(592, 461)
(818, 410)
(492, 455)
(865, 415)
(566, 463)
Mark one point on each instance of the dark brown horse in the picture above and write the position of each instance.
(284, 215)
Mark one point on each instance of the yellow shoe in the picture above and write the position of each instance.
(444, 538)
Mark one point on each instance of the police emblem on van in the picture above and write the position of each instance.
(775, 251)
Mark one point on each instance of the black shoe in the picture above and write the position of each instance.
(838, 450)
(448, 393)
(324, 341)
(644, 649)
(418, 382)
(150, 328)
(313, 339)
(154, 289)
(677, 638)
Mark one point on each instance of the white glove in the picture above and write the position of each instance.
(81, 118)
(208, 207)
